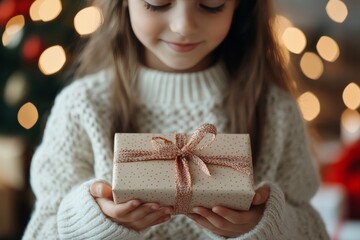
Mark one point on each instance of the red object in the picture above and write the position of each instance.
(346, 171)
(32, 48)
(7, 10)
(11, 8)
(23, 7)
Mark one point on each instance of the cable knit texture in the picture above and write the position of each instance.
(77, 149)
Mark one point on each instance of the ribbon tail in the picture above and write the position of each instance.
(183, 186)
(242, 164)
(198, 161)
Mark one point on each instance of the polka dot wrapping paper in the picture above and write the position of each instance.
(155, 180)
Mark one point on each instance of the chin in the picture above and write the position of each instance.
(185, 67)
(180, 68)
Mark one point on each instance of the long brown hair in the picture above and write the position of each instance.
(250, 52)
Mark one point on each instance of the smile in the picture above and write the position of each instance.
(178, 47)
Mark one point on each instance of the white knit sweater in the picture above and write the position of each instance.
(76, 149)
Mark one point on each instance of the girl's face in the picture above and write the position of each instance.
(179, 35)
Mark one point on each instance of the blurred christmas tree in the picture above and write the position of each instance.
(38, 39)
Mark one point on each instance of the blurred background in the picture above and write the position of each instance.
(320, 39)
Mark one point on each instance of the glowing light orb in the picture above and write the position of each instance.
(309, 105)
(28, 115)
(88, 20)
(351, 96)
(311, 65)
(52, 60)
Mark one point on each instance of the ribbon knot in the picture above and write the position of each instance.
(182, 152)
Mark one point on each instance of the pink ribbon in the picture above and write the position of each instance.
(182, 153)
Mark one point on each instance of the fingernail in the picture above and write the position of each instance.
(154, 207)
(135, 203)
(99, 190)
(257, 198)
(215, 209)
(197, 210)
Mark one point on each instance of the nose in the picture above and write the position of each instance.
(183, 22)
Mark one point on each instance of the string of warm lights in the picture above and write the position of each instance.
(311, 64)
(51, 60)
(88, 20)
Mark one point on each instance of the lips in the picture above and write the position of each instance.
(180, 47)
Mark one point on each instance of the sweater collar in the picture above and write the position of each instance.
(159, 87)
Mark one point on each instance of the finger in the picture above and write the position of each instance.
(237, 217)
(140, 212)
(233, 216)
(215, 219)
(101, 189)
(152, 218)
(261, 195)
(115, 211)
(203, 222)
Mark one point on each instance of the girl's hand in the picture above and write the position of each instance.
(232, 223)
(132, 214)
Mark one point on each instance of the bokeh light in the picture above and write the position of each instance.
(15, 24)
(309, 105)
(336, 10)
(34, 10)
(12, 41)
(13, 31)
(52, 60)
(15, 88)
(351, 96)
(350, 120)
(49, 10)
(28, 115)
(281, 23)
(294, 40)
(311, 65)
(88, 20)
(328, 49)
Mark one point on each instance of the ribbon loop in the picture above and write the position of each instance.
(165, 147)
(199, 135)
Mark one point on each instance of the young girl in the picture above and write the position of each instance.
(165, 66)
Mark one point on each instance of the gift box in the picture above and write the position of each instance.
(184, 171)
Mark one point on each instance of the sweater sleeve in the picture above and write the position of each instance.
(61, 173)
(293, 181)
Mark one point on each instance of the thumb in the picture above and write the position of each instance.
(261, 195)
(101, 189)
